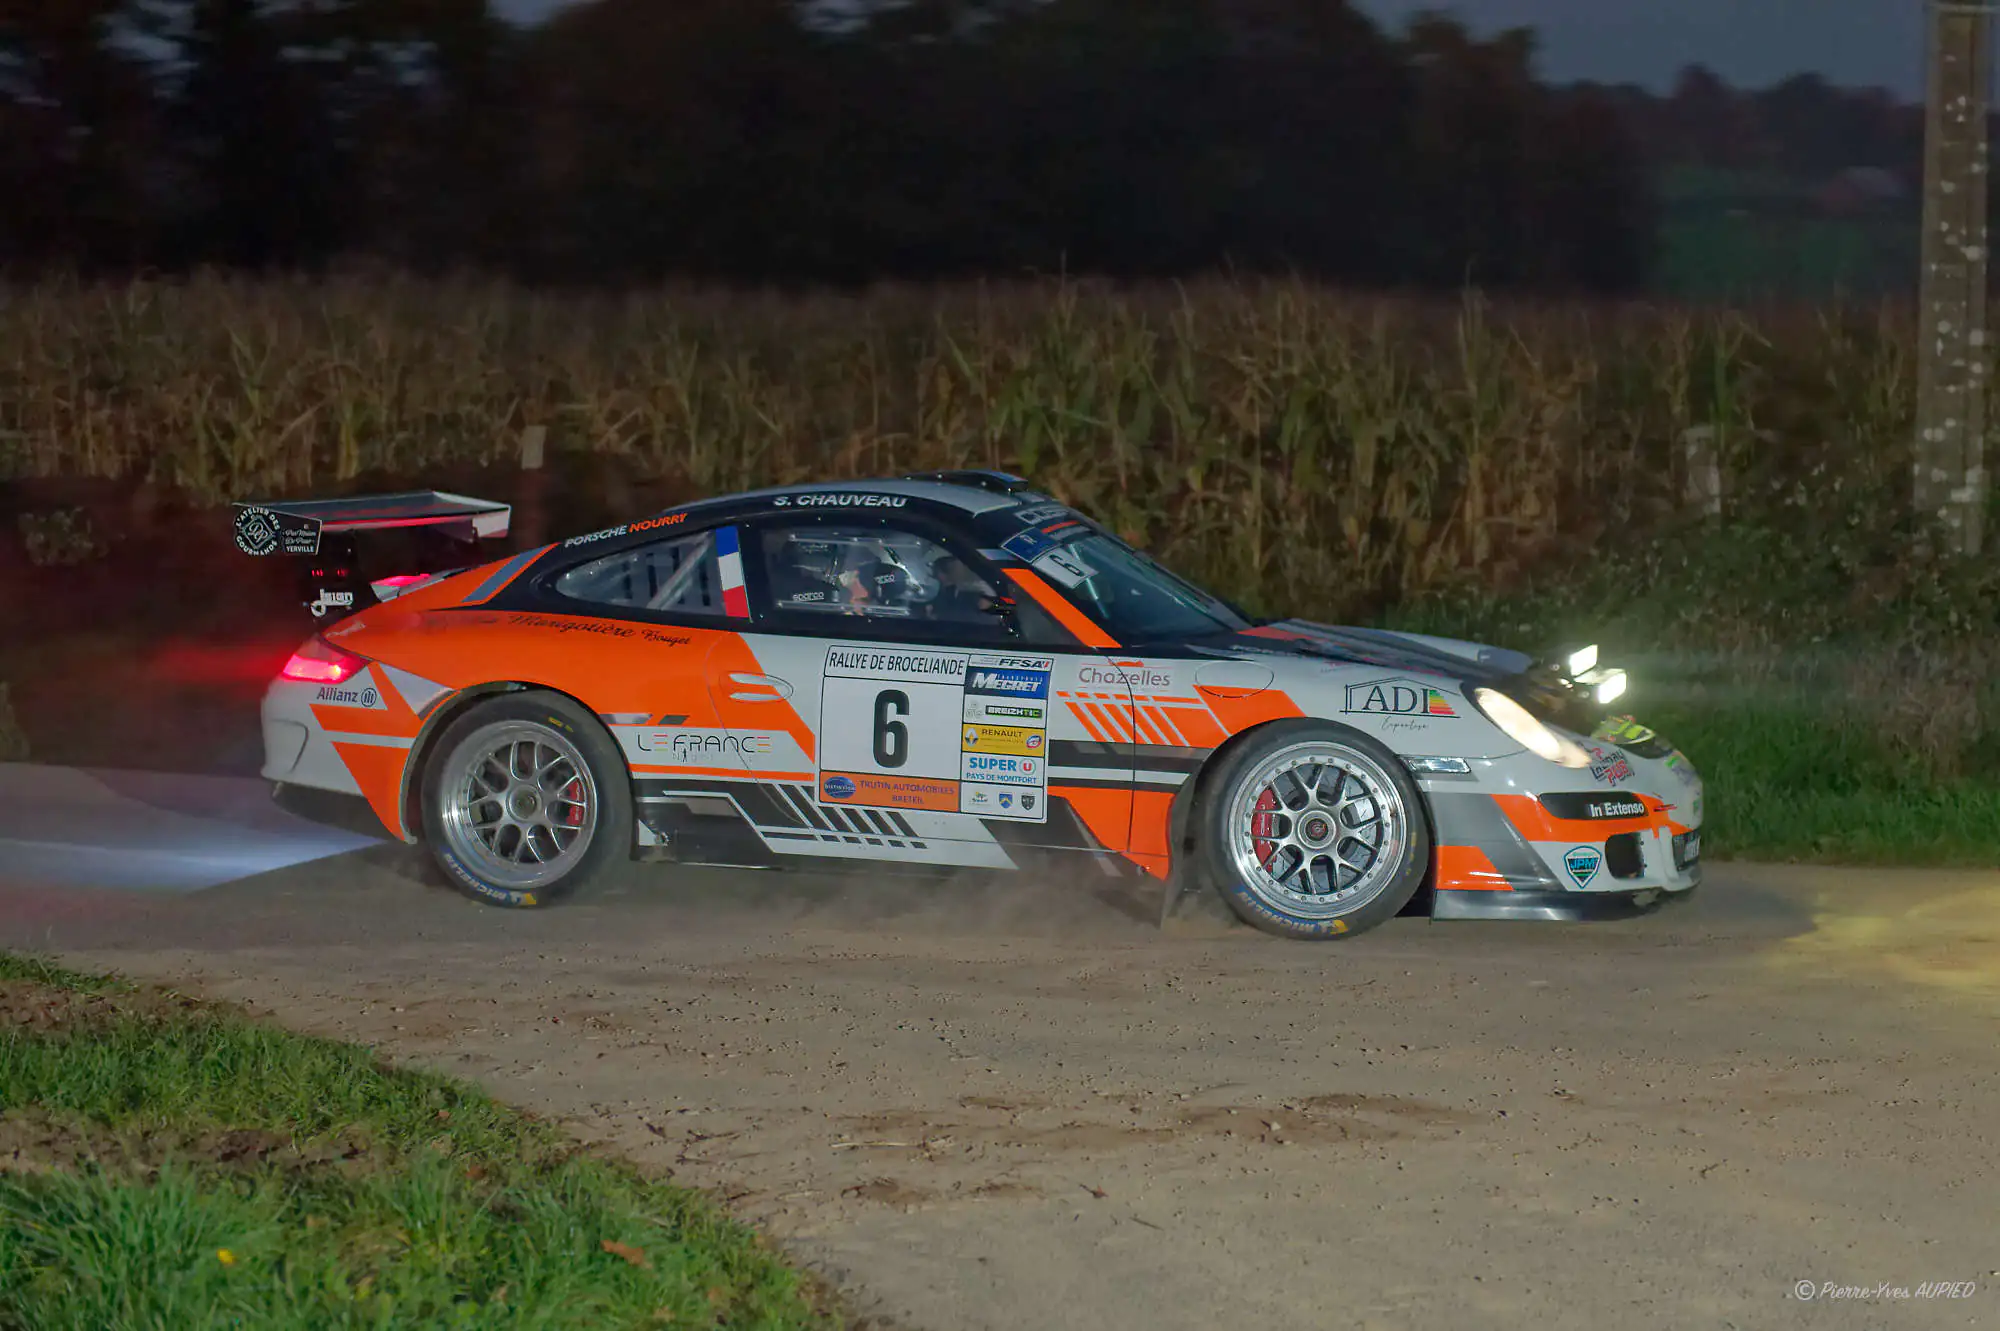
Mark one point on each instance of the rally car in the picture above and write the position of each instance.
(949, 669)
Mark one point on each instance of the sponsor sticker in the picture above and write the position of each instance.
(996, 682)
(1003, 769)
(1608, 765)
(1582, 864)
(994, 799)
(1018, 740)
(259, 531)
(664, 520)
(329, 600)
(891, 792)
(981, 709)
(1028, 546)
(256, 531)
(1397, 697)
(341, 695)
(1137, 677)
(935, 731)
(628, 529)
(1040, 513)
(686, 745)
(893, 664)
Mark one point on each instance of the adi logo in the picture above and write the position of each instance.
(1397, 697)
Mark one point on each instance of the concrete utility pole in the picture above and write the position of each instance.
(1952, 343)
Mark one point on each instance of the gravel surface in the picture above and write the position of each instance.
(996, 1104)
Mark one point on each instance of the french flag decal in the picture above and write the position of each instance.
(729, 560)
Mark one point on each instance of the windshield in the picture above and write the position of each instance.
(1131, 594)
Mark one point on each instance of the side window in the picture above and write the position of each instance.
(873, 573)
(681, 577)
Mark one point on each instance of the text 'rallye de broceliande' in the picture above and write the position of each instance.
(949, 670)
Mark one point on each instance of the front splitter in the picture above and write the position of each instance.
(1574, 906)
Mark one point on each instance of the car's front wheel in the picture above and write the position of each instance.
(525, 800)
(1313, 830)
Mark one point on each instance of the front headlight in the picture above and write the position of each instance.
(1525, 730)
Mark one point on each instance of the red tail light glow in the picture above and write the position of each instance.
(320, 662)
(402, 579)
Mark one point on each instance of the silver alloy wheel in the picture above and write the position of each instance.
(518, 804)
(1316, 829)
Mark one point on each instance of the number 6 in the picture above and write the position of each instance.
(892, 738)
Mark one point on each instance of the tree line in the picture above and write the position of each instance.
(781, 141)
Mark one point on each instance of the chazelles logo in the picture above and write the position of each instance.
(1138, 677)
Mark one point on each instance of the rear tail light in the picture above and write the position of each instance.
(320, 662)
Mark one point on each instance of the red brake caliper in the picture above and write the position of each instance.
(1264, 826)
(573, 817)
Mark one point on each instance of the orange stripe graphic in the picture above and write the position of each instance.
(1049, 599)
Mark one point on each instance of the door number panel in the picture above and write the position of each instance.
(941, 732)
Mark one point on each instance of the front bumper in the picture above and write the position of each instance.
(1556, 906)
(1519, 838)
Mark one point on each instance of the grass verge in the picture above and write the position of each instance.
(167, 1164)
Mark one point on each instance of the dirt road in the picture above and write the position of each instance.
(997, 1105)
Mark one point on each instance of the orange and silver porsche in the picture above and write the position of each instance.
(949, 670)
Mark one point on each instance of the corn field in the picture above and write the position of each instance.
(1286, 444)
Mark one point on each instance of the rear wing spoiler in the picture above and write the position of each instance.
(438, 528)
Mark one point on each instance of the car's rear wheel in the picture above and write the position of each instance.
(1314, 830)
(526, 800)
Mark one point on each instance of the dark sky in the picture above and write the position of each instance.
(1748, 42)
